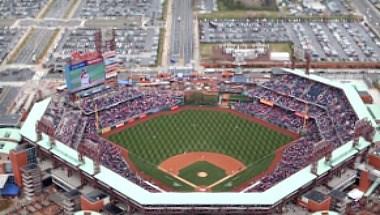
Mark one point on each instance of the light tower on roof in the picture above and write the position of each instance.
(308, 61)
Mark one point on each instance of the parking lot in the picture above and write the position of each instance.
(115, 8)
(333, 41)
(20, 8)
(34, 47)
(134, 45)
(8, 40)
(313, 7)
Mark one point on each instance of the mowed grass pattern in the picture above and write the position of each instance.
(190, 173)
(199, 130)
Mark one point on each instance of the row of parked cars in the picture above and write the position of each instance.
(326, 41)
(20, 8)
(223, 31)
(8, 40)
(134, 45)
(120, 8)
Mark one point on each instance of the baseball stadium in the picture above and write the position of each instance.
(171, 151)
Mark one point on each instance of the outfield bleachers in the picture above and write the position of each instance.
(330, 117)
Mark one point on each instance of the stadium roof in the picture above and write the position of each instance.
(87, 212)
(374, 109)
(359, 85)
(7, 146)
(12, 134)
(326, 213)
(3, 180)
(28, 129)
(143, 197)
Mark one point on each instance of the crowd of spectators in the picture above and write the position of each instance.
(112, 158)
(69, 128)
(75, 122)
(109, 99)
(152, 102)
(317, 111)
(273, 114)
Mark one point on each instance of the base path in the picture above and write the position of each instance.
(176, 163)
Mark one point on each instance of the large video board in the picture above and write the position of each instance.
(84, 74)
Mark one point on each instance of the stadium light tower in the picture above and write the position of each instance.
(91, 150)
(305, 120)
(96, 117)
(363, 128)
(98, 41)
(308, 61)
(320, 149)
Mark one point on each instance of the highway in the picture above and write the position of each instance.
(181, 44)
(33, 47)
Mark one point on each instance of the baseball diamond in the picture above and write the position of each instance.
(219, 138)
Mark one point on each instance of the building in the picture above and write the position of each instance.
(71, 202)
(31, 180)
(21, 156)
(315, 201)
(94, 201)
(339, 201)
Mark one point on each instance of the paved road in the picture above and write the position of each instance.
(58, 9)
(34, 46)
(182, 28)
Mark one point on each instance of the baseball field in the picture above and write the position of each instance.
(201, 148)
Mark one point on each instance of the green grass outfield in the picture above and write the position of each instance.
(154, 141)
(190, 172)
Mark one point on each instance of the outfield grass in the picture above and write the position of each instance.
(190, 173)
(154, 141)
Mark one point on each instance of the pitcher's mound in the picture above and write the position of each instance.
(202, 174)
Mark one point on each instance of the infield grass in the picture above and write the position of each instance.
(190, 173)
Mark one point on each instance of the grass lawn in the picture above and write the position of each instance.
(281, 47)
(213, 172)
(154, 141)
(160, 48)
(241, 98)
(228, 5)
(206, 51)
